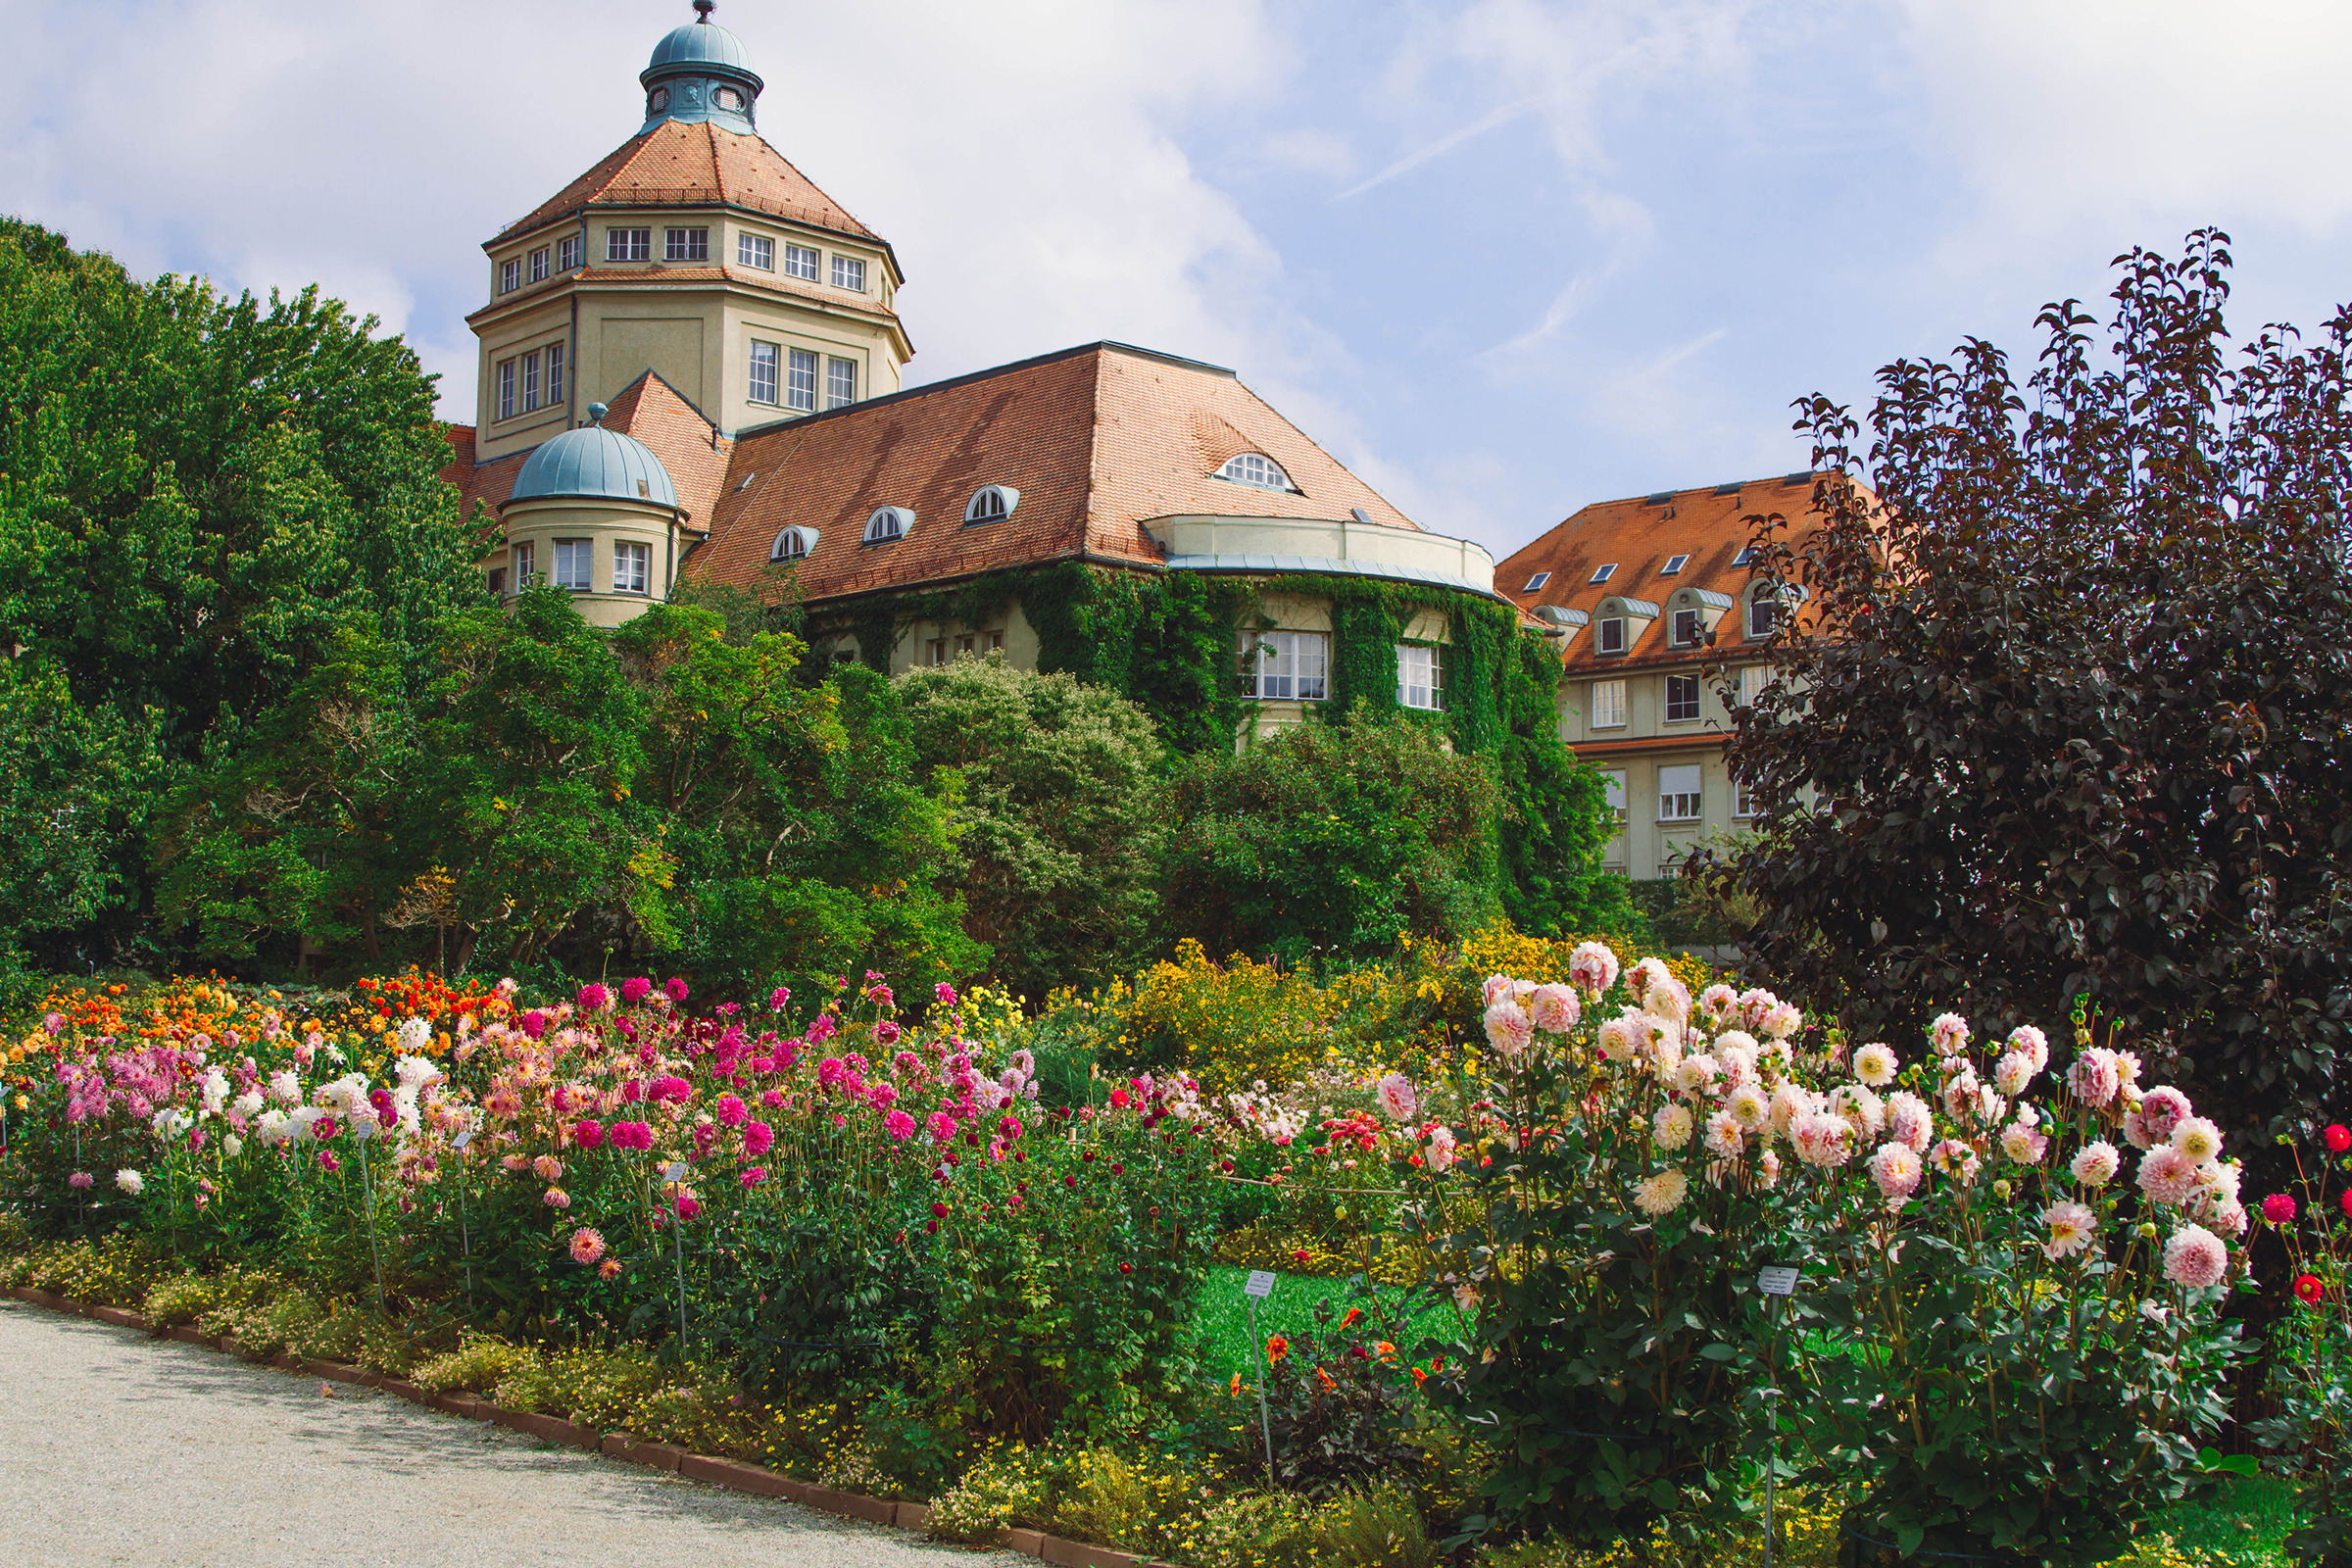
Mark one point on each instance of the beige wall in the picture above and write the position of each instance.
(1647, 847)
(914, 650)
(540, 523)
(1366, 544)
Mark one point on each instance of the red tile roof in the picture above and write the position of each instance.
(652, 410)
(1640, 535)
(1098, 440)
(489, 484)
(678, 164)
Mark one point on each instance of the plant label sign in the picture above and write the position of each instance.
(462, 1139)
(676, 1171)
(1260, 1282)
(1777, 1280)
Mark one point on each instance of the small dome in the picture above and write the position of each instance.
(597, 462)
(700, 43)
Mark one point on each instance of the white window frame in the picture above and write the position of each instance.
(1745, 556)
(555, 373)
(1676, 805)
(757, 251)
(727, 100)
(530, 380)
(840, 381)
(1689, 630)
(628, 244)
(1603, 575)
(574, 565)
(632, 566)
(1420, 676)
(527, 563)
(686, 244)
(760, 385)
(1612, 787)
(1770, 607)
(506, 389)
(1609, 631)
(509, 275)
(1677, 711)
(1744, 805)
(849, 273)
(1257, 470)
(1752, 680)
(804, 262)
(1606, 706)
(990, 503)
(568, 253)
(1537, 582)
(1285, 667)
(1674, 565)
(793, 544)
(884, 525)
(799, 379)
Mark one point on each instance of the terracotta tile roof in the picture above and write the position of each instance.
(678, 164)
(490, 483)
(1640, 535)
(696, 455)
(1096, 439)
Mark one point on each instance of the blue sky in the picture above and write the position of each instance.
(1504, 257)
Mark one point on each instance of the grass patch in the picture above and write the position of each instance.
(1224, 1317)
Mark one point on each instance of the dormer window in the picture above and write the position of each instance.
(727, 98)
(793, 544)
(1609, 638)
(1761, 612)
(656, 100)
(1536, 582)
(888, 523)
(1605, 573)
(1688, 632)
(990, 503)
(1674, 565)
(1257, 469)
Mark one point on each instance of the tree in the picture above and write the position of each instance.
(1057, 815)
(2067, 710)
(1334, 837)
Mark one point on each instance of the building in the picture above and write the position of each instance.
(691, 368)
(1660, 618)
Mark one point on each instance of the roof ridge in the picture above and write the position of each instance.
(1326, 452)
(719, 175)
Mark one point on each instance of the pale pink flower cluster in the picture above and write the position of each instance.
(1593, 968)
(2195, 1258)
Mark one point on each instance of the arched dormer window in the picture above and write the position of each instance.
(888, 523)
(1765, 607)
(793, 544)
(1255, 469)
(990, 503)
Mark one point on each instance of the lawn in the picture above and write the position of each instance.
(1225, 1316)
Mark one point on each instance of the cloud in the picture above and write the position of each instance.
(1309, 151)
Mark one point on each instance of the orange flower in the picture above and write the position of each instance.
(1237, 1385)
(1353, 1314)
(1277, 1348)
(1329, 1382)
(1388, 1351)
(1419, 1377)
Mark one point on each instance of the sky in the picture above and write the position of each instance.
(1503, 257)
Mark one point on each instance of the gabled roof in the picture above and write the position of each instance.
(649, 410)
(1098, 439)
(1640, 535)
(680, 163)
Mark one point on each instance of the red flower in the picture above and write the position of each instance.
(1069, 1181)
(1118, 1099)
(1126, 1268)
(2279, 1208)
(938, 1210)
(1277, 1348)
(1117, 1169)
(1088, 1157)
(1225, 1166)
(930, 1227)
(2340, 1138)
(2309, 1289)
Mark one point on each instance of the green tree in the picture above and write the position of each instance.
(2070, 705)
(1333, 838)
(1057, 818)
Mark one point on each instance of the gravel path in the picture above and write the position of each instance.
(119, 1448)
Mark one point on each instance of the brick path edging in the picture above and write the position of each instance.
(728, 1473)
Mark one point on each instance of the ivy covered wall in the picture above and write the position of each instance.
(1168, 641)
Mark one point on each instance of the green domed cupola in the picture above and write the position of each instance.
(701, 71)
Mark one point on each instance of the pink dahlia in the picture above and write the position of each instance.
(758, 1138)
(1591, 968)
(548, 1168)
(587, 1247)
(945, 991)
(668, 1087)
(1896, 1168)
(2161, 1110)
(752, 1176)
(587, 1134)
(1822, 1137)
(2095, 1163)
(635, 989)
(1957, 1161)
(1553, 1008)
(555, 1197)
(2071, 1227)
(2195, 1258)
(676, 990)
(1508, 1027)
(899, 1125)
(2097, 1077)
(534, 1023)
(593, 998)
(81, 1181)
(2168, 1176)
(2279, 1208)
(731, 1111)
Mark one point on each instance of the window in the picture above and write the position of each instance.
(1688, 632)
(792, 544)
(1536, 582)
(571, 563)
(1608, 704)
(763, 388)
(506, 389)
(527, 556)
(841, 383)
(755, 251)
(628, 244)
(656, 100)
(1613, 791)
(1748, 554)
(686, 245)
(509, 276)
(568, 253)
(800, 261)
(1751, 683)
(1678, 794)
(631, 564)
(1610, 637)
(990, 503)
(1682, 699)
(726, 98)
(1742, 803)
(555, 373)
(530, 380)
(1674, 565)
(887, 522)
(1605, 573)
(539, 265)
(935, 652)
(498, 582)
(1760, 616)
(1285, 665)
(1420, 676)
(1256, 468)
(979, 643)
(800, 390)
(849, 273)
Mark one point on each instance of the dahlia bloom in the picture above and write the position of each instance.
(2012, 1073)
(1553, 1008)
(555, 1197)
(1668, 999)
(676, 990)
(1591, 968)
(898, 1124)
(1726, 1140)
(2195, 1258)
(1509, 1030)
(587, 1247)
(587, 1134)
(1948, 1033)
(1957, 1161)
(2095, 1163)
(2071, 1225)
(1440, 1149)
(593, 998)
(2168, 1176)
(1822, 1137)
(2197, 1137)
(1896, 1168)
(2161, 1110)
(1620, 1037)
(1662, 1194)
(2023, 1144)
(1396, 1097)
(1874, 1065)
(130, 1180)
(1748, 1106)
(2338, 1137)
(2095, 1078)
(758, 1137)
(81, 1181)
(2309, 1289)
(1717, 1004)
(1671, 1127)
